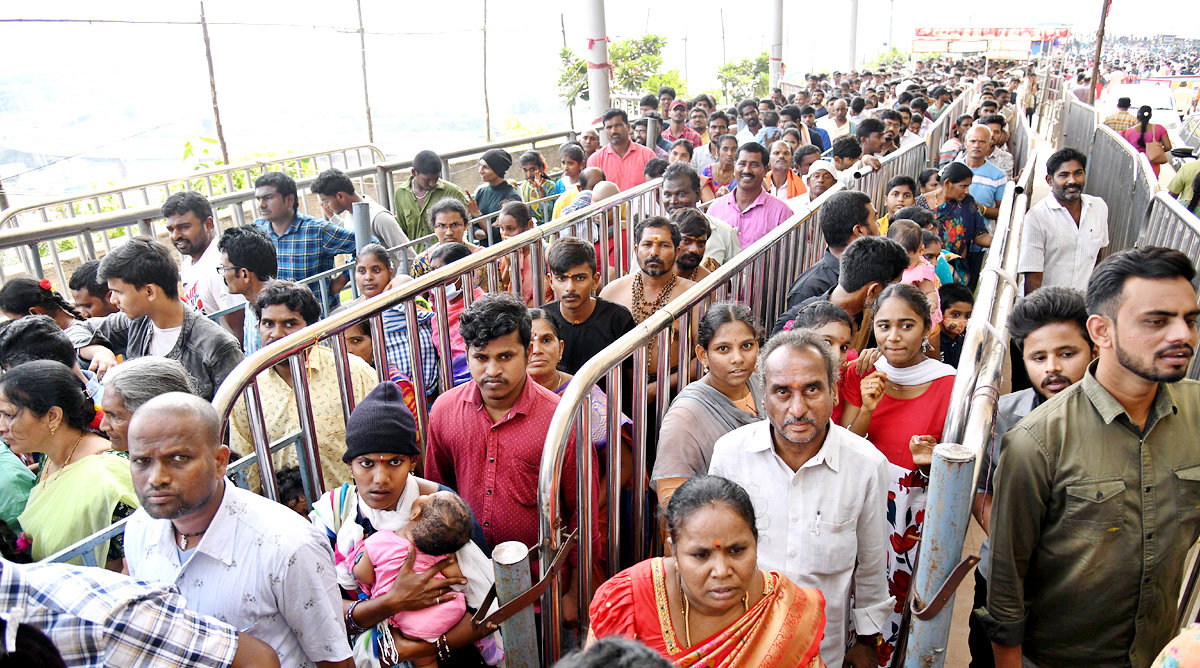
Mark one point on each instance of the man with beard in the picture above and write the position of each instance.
(820, 493)
(678, 128)
(681, 190)
(234, 555)
(1049, 327)
(748, 110)
(1097, 495)
(190, 225)
(622, 160)
(656, 284)
(486, 436)
(748, 208)
(694, 231)
(1064, 234)
(892, 130)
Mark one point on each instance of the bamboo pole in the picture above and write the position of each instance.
(1099, 46)
(362, 42)
(570, 103)
(212, 85)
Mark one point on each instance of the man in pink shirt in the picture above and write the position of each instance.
(623, 161)
(751, 210)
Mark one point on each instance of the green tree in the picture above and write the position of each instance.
(892, 55)
(636, 62)
(748, 78)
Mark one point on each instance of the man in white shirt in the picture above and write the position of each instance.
(1064, 233)
(718, 126)
(242, 558)
(190, 225)
(819, 491)
(336, 192)
(748, 110)
(836, 123)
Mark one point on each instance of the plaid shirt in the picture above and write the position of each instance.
(308, 247)
(100, 618)
(395, 341)
(688, 134)
(1120, 121)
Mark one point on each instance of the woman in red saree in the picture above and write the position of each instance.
(708, 605)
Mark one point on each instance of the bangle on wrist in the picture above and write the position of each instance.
(350, 623)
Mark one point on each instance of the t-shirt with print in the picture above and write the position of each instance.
(607, 323)
(203, 288)
(162, 341)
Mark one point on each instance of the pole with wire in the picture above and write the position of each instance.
(212, 85)
(362, 43)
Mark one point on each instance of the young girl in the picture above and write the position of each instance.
(900, 406)
(439, 526)
(920, 273)
(934, 255)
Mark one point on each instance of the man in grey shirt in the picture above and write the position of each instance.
(144, 283)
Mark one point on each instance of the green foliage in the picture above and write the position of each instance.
(670, 78)
(748, 78)
(635, 62)
(889, 57)
(514, 128)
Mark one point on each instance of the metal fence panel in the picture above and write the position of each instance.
(1112, 170)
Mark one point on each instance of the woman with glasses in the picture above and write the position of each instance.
(449, 220)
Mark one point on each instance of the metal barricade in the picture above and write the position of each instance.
(908, 161)
(1078, 126)
(611, 219)
(943, 128)
(760, 277)
(1189, 132)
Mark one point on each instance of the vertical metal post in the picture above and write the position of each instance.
(776, 53)
(599, 70)
(341, 362)
(640, 381)
(261, 440)
(310, 456)
(446, 368)
(414, 347)
(362, 225)
(614, 468)
(583, 509)
(511, 561)
(853, 34)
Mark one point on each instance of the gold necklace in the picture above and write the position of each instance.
(67, 461)
(687, 627)
(640, 312)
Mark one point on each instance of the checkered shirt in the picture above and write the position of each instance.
(100, 618)
(395, 341)
(308, 247)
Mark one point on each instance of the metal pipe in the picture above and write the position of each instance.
(362, 225)
(775, 57)
(584, 509)
(308, 451)
(261, 440)
(511, 562)
(601, 69)
(341, 363)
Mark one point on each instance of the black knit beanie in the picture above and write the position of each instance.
(381, 423)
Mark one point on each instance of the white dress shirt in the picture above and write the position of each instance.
(815, 523)
(722, 240)
(1064, 252)
(259, 567)
(908, 139)
(702, 156)
(203, 288)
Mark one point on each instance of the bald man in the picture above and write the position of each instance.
(234, 555)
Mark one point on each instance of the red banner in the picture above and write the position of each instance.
(1033, 34)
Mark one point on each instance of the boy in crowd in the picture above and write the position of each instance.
(1049, 327)
(901, 193)
(587, 324)
(957, 305)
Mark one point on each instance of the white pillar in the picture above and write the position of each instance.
(776, 51)
(597, 55)
(853, 34)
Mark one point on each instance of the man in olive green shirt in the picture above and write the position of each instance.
(1097, 497)
(420, 192)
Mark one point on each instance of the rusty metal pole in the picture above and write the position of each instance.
(1099, 47)
(212, 85)
(511, 561)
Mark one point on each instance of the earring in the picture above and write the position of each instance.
(925, 346)
(53, 429)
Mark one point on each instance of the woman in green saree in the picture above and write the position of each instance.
(83, 486)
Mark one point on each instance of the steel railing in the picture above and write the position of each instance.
(909, 161)
(377, 179)
(1189, 132)
(943, 128)
(759, 276)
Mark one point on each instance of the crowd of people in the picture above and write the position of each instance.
(790, 477)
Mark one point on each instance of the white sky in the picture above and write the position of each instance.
(296, 88)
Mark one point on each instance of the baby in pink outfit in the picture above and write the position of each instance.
(440, 525)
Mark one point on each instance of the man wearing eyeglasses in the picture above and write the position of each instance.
(247, 261)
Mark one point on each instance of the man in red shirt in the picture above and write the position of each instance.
(486, 436)
(623, 161)
(678, 129)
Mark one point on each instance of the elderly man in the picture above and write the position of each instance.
(822, 176)
(589, 139)
(836, 124)
(782, 181)
(819, 491)
(130, 384)
(237, 556)
(748, 208)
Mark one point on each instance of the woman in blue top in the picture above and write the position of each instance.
(958, 215)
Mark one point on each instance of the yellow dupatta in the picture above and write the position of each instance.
(783, 630)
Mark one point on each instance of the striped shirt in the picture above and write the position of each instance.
(100, 618)
(988, 185)
(396, 343)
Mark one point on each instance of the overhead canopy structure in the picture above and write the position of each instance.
(995, 43)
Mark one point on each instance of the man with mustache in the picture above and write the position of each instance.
(819, 492)
(1049, 327)
(586, 324)
(1097, 494)
(694, 231)
(190, 226)
(486, 436)
(1064, 234)
(750, 209)
(681, 190)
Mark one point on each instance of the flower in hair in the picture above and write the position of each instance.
(44, 284)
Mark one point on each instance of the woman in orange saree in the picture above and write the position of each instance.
(708, 605)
